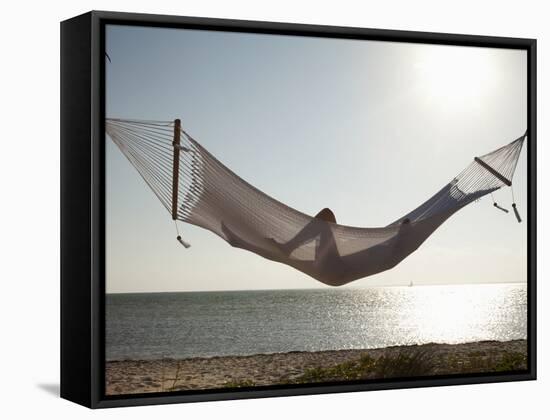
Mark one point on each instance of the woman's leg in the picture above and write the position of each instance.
(318, 226)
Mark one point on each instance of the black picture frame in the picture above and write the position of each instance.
(83, 203)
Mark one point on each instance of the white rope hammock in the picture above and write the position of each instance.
(196, 188)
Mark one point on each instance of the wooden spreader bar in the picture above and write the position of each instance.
(176, 168)
(494, 172)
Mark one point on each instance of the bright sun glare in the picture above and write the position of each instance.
(452, 78)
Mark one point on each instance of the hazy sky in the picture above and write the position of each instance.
(369, 129)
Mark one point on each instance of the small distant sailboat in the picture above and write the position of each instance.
(411, 283)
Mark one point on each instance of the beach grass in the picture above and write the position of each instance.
(226, 372)
(401, 365)
(406, 364)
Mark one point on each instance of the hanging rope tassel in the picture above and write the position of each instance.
(500, 208)
(180, 240)
(497, 206)
(516, 212)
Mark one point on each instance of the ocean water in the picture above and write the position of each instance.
(180, 325)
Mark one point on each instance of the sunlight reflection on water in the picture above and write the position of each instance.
(454, 315)
(226, 323)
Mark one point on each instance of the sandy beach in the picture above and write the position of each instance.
(144, 376)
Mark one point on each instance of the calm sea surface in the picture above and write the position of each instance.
(178, 325)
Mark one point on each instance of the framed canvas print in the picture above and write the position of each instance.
(255, 209)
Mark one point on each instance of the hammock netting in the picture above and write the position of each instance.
(211, 196)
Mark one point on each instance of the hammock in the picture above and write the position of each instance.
(196, 188)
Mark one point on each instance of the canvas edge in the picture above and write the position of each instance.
(76, 186)
(92, 118)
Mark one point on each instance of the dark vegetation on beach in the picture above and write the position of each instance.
(166, 375)
(414, 364)
(405, 364)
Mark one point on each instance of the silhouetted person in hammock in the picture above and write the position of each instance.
(327, 259)
(333, 268)
(318, 227)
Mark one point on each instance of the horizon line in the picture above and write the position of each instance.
(317, 288)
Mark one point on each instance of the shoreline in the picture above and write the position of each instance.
(222, 372)
(325, 288)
